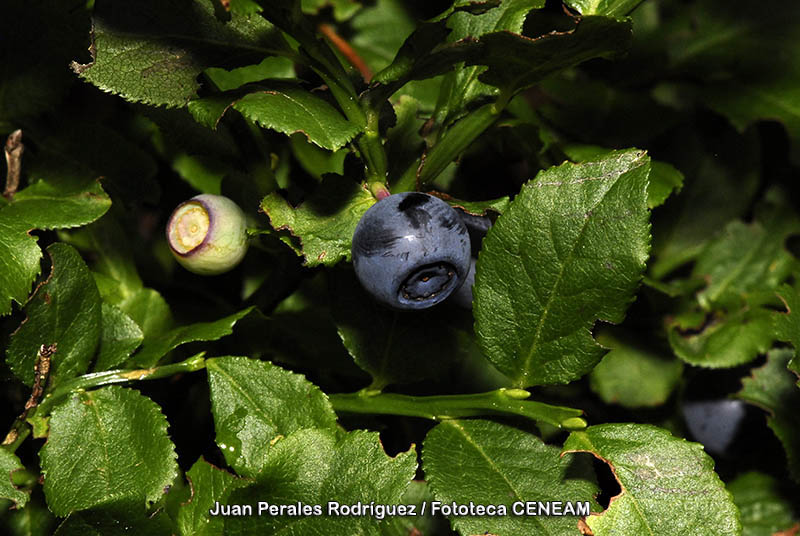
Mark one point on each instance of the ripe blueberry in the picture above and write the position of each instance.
(463, 296)
(477, 227)
(411, 250)
(207, 234)
(715, 423)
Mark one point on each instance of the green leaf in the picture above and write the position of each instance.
(610, 8)
(763, 509)
(255, 403)
(8, 464)
(317, 162)
(151, 313)
(203, 174)
(301, 334)
(745, 258)
(722, 177)
(787, 325)
(720, 338)
(316, 467)
(19, 262)
(664, 181)
(485, 463)
(271, 67)
(244, 7)
(152, 51)
(461, 86)
(404, 144)
(325, 222)
(119, 337)
(732, 76)
(393, 346)
(418, 493)
(477, 208)
(634, 373)
(664, 178)
(668, 484)
(154, 348)
(569, 250)
(33, 520)
(123, 518)
(794, 366)
(59, 202)
(342, 9)
(65, 311)
(289, 109)
(209, 484)
(772, 388)
(516, 62)
(125, 452)
(107, 245)
(379, 32)
(118, 281)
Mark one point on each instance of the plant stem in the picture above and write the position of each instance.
(498, 402)
(453, 143)
(379, 190)
(14, 149)
(98, 379)
(346, 50)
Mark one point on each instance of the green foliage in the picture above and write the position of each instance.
(325, 222)
(154, 348)
(69, 202)
(612, 8)
(569, 250)
(256, 403)
(608, 143)
(764, 511)
(634, 374)
(490, 463)
(208, 484)
(119, 337)
(772, 388)
(787, 324)
(8, 465)
(65, 311)
(391, 346)
(125, 451)
(658, 473)
(152, 52)
(289, 109)
(315, 466)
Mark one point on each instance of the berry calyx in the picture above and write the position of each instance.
(207, 234)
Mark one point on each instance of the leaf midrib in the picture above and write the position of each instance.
(524, 372)
(491, 463)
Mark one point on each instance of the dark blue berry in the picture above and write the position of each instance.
(463, 296)
(411, 250)
(477, 227)
(715, 423)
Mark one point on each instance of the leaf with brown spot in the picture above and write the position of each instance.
(668, 484)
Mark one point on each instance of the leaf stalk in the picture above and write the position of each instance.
(438, 408)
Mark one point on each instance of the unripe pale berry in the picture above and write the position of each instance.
(207, 234)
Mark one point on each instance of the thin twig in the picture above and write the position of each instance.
(346, 50)
(41, 373)
(14, 150)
